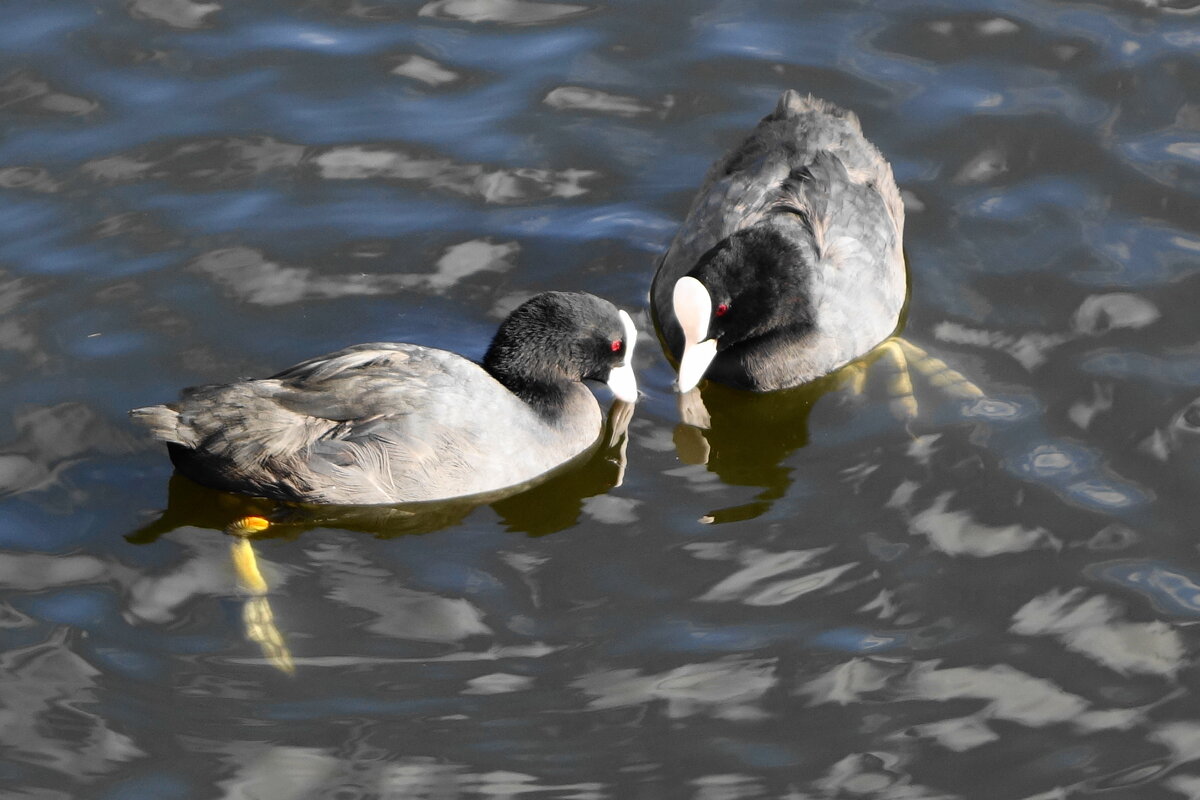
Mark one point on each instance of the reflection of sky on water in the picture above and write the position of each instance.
(725, 689)
(1172, 590)
(1092, 627)
(1182, 369)
(956, 533)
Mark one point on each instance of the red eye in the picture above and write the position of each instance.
(616, 345)
(722, 309)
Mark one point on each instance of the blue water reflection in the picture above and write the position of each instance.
(1172, 590)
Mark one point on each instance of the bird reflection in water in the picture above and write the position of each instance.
(744, 437)
(550, 504)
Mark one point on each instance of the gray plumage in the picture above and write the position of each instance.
(393, 422)
(816, 206)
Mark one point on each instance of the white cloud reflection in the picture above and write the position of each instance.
(206, 572)
(467, 259)
(1181, 435)
(398, 612)
(26, 92)
(50, 440)
(498, 683)
(1092, 626)
(490, 184)
(46, 695)
(753, 586)
(261, 771)
(581, 98)
(1083, 412)
(1103, 312)
(876, 775)
(425, 70)
(183, 14)
(727, 689)
(1003, 693)
(511, 12)
(958, 533)
(252, 278)
(278, 772)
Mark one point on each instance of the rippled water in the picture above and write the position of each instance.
(814, 599)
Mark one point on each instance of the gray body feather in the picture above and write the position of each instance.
(810, 156)
(374, 423)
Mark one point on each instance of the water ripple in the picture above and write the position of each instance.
(810, 598)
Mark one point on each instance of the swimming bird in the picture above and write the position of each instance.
(789, 263)
(395, 422)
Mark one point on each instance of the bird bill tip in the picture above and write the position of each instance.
(694, 363)
(623, 383)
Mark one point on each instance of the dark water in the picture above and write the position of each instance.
(997, 599)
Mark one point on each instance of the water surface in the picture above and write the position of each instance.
(995, 599)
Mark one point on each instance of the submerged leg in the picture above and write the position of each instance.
(855, 375)
(261, 628)
(257, 615)
(939, 374)
(900, 358)
(899, 385)
(245, 564)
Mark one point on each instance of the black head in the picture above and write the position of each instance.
(555, 338)
(758, 280)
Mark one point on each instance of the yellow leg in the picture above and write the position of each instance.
(246, 565)
(247, 526)
(940, 376)
(856, 376)
(261, 628)
(898, 358)
(899, 383)
(257, 615)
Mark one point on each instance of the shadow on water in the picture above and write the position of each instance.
(744, 438)
(747, 435)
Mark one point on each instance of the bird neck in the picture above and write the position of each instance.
(542, 390)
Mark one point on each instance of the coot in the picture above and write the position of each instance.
(392, 423)
(789, 262)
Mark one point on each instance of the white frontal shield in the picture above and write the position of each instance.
(621, 379)
(693, 308)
